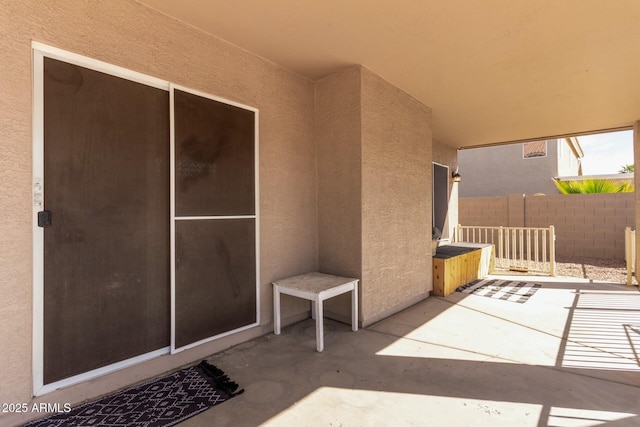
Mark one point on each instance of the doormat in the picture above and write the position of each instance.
(164, 401)
(506, 290)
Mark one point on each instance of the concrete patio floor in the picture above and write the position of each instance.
(566, 357)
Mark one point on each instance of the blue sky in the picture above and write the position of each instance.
(606, 153)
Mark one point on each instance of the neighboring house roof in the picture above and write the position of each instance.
(534, 149)
(613, 176)
(539, 148)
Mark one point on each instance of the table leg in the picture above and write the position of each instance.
(319, 325)
(313, 310)
(276, 310)
(354, 308)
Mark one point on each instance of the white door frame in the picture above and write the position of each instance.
(40, 51)
(174, 218)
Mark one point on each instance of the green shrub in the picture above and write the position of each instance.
(590, 186)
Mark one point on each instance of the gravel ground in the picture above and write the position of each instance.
(598, 270)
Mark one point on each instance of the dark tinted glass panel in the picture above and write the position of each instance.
(440, 196)
(215, 277)
(214, 157)
(107, 252)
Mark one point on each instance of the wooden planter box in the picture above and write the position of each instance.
(460, 263)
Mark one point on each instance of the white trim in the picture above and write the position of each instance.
(39, 52)
(195, 218)
(256, 208)
(97, 65)
(37, 352)
(174, 218)
(215, 337)
(440, 164)
(173, 87)
(85, 376)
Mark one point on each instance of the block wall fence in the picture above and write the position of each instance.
(589, 225)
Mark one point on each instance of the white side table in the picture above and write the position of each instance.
(315, 287)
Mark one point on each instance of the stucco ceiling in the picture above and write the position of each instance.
(491, 70)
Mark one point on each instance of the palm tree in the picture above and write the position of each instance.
(592, 186)
(626, 169)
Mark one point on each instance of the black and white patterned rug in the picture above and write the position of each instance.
(506, 290)
(161, 402)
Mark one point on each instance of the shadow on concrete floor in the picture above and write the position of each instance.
(566, 357)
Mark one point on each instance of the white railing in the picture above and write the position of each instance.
(630, 253)
(523, 249)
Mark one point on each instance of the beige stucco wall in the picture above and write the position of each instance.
(124, 33)
(589, 225)
(396, 198)
(345, 171)
(338, 145)
(338, 142)
(374, 191)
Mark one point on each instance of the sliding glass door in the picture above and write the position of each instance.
(106, 246)
(214, 217)
(145, 218)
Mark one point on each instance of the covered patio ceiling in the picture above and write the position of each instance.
(492, 71)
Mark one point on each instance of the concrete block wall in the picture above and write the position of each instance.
(489, 211)
(588, 225)
(516, 212)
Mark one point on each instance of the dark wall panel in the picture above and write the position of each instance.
(107, 253)
(440, 195)
(214, 157)
(215, 277)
